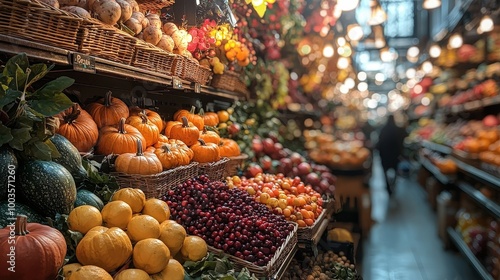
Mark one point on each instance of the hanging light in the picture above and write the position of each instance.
(456, 41)
(347, 5)
(328, 51)
(354, 32)
(486, 24)
(413, 52)
(431, 4)
(427, 67)
(343, 63)
(435, 51)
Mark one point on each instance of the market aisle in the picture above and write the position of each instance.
(404, 244)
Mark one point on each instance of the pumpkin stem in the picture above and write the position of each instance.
(193, 109)
(73, 114)
(185, 122)
(20, 225)
(107, 99)
(139, 148)
(202, 142)
(144, 117)
(121, 126)
(201, 112)
(165, 148)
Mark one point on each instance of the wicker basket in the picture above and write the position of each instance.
(154, 5)
(234, 164)
(305, 234)
(227, 81)
(214, 170)
(152, 58)
(186, 68)
(105, 41)
(39, 23)
(157, 185)
(274, 264)
(204, 75)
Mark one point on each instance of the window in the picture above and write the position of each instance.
(400, 18)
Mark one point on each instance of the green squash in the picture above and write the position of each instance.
(8, 169)
(20, 209)
(86, 197)
(47, 187)
(70, 157)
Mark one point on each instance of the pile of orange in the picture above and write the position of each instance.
(290, 197)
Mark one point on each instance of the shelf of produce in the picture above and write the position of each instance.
(284, 266)
(482, 200)
(464, 249)
(436, 147)
(474, 105)
(60, 56)
(442, 178)
(478, 174)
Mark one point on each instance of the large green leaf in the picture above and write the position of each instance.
(38, 71)
(18, 61)
(5, 134)
(53, 149)
(20, 136)
(19, 80)
(53, 87)
(10, 95)
(40, 150)
(51, 105)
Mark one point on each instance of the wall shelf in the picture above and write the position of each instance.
(490, 206)
(436, 147)
(442, 178)
(478, 174)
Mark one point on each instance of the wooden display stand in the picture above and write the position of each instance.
(353, 194)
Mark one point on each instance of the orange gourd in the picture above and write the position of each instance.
(149, 130)
(229, 148)
(210, 118)
(196, 119)
(78, 127)
(168, 127)
(209, 136)
(205, 152)
(138, 162)
(108, 110)
(186, 132)
(119, 139)
(152, 116)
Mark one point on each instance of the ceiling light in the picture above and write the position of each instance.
(328, 51)
(456, 41)
(413, 52)
(427, 67)
(347, 5)
(349, 82)
(435, 51)
(362, 86)
(354, 32)
(380, 77)
(362, 76)
(341, 41)
(486, 24)
(431, 4)
(343, 63)
(410, 73)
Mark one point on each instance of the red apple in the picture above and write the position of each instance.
(490, 121)
(313, 179)
(268, 145)
(296, 158)
(234, 128)
(266, 163)
(257, 145)
(286, 165)
(253, 170)
(304, 168)
(324, 185)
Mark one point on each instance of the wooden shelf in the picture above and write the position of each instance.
(284, 266)
(490, 206)
(442, 178)
(478, 174)
(467, 253)
(11, 45)
(443, 149)
(473, 105)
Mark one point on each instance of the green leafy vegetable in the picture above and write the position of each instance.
(214, 267)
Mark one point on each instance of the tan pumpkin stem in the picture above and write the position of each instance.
(202, 142)
(144, 117)
(193, 109)
(185, 122)
(165, 148)
(73, 115)
(107, 99)
(121, 126)
(139, 148)
(20, 225)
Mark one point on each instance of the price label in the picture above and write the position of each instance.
(197, 87)
(176, 83)
(83, 63)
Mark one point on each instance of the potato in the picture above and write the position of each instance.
(78, 3)
(52, 3)
(81, 12)
(134, 5)
(126, 10)
(180, 39)
(134, 25)
(139, 16)
(166, 43)
(152, 35)
(170, 28)
(140, 36)
(154, 20)
(107, 11)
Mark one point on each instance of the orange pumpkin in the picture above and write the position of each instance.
(150, 149)
(162, 138)
(119, 140)
(138, 163)
(152, 116)
(210, 118)
(107, 111)
(78, 127)
(205, 152)
(186, 132)
(209, 136)
(229, 148)
(197, 120)
(149, 130)
(168, 127)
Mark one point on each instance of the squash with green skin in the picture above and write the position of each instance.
(70, 157)
(8, 166)
(86, 197)
(20, 209)
(46, 186)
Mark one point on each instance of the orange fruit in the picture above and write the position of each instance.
(223, 116)
(142, 227)
(287, 212)
(157, 209)
(309, 222)
(83, 218)
(194, 248)
(116, 214)
(173, 235)
(301, 223)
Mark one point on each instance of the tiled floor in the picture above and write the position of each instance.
(404, 244)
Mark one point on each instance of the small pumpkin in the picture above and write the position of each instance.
(108, 248)
(143, 226)
(116, 214)
(157, 209)
(162, 138)
(209, 136)
(119, 139)
(229, 148)
(196, 119)
(84, 218)
(68, 269)
(168, 127)
(173, 271)
(150, 149)
(167, 157)
(132, 274)
(183, 152)
(39, 251)
(210, 118)
(151, 255)
(173, 235)
(138, 163)
(134, 197)
(78, 127)
(152, 116)
(88, 272)
(186, 132)
(205, 152)
(149, 130)
(108, 111)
